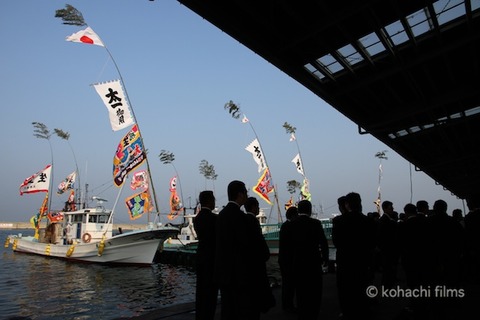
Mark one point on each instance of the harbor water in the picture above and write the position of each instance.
(35, 287)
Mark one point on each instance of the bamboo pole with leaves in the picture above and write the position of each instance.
(41, 131)
(208, 171)
(71, 16)
(235, 112)
(66, 136)
(381, 155)
(305, 193)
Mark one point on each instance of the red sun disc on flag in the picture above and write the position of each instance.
(86, 39)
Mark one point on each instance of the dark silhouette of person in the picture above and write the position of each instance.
(414, 253)
(207, 289)
(423, 208)
(353, 235)
(232, 271)
(447, 245)
(285, 260)
(387, 227)
(472, 246)
(260, 292)
(457, 214)
(310, 255)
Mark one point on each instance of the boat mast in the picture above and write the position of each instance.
(138, 127)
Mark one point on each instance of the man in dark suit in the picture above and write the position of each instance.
(388, 244)
(353, 235)
(285, 260)
(231, 259)
(207, 289)
(311, 254)
(260, 292)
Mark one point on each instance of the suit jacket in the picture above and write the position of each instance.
(205, 225)
(231, 253)
(354, 237)
(309, 243)
(285, 246)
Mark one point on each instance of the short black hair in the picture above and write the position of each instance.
(251, 203)
(234, 188)
(206, 197)
(305, 207)
(354, 201)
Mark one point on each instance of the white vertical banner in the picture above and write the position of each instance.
(257, 153)
(298, 164)
(112, 95)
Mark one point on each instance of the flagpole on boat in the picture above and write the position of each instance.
(234, 111)
(71, 16)
(292, 130)
(275, 195)
(139, 131)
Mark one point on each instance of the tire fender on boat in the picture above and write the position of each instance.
(86, 237)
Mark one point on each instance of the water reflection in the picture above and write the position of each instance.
(44, 288)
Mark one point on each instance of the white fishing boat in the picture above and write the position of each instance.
(187, 240)
(86, 235)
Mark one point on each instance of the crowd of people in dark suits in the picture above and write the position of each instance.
(430, 247)
(231, 258)
(434, 251)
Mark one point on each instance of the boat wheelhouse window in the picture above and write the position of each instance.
(92, 219)
(77, 217)
(102, 219)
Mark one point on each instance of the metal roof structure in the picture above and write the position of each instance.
(405, 71)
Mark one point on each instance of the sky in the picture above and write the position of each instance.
(178, 71)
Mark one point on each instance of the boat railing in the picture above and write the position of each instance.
(272, 231)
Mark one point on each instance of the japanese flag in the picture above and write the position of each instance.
(86, 36)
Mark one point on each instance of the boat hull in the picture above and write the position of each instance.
(137, 247)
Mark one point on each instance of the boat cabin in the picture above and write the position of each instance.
(87, 225)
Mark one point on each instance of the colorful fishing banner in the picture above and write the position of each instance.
(175, 201)
(305, 191)
(39, 182)
(289, 203)
(257, 153)
(113, 97)
(264, 186)
(129, 155)
(138, 204)
(55, 216)
(68, 183)
(70, 205)
(298, 164)
(35, 220)
(139, 180)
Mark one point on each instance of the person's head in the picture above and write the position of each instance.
(305, 207)
(387, 207)
(341, 204)
(422, 206)
(291, 213)
(440, 206)
(252, 205)
(410, 210)
(237, 192)
(207, 199)
(457, 214)
(353, 202)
